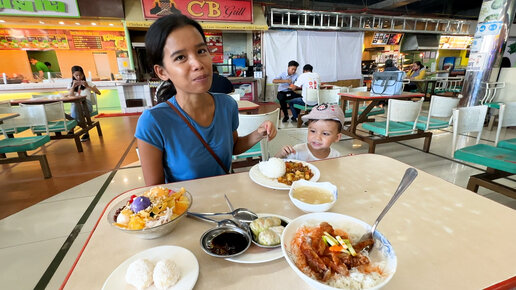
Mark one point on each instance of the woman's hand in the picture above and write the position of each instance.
(285, 151)
(267, 129)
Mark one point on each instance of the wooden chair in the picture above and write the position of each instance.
(27, 117)
(507, 118)
(468, 120)
(399, 114)
(247, 124)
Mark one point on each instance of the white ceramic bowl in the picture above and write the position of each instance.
(150, 233)
(308, 207)
(382, 250)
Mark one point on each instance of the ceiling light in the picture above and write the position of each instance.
(2, 21)
(93, 23)
(111, 24)
(41, 22)
(61, 22)
(77, 23)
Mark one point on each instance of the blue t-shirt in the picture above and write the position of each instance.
(284, 76)
(184, 156)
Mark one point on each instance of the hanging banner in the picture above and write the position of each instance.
(212, 10)
(62, 8)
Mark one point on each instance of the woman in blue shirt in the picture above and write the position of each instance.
(169, 149)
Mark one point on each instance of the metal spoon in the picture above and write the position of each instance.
(224, 222)
(266, 148)
(367, 238)
(241, 214)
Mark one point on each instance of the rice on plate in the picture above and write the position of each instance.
(382, 261)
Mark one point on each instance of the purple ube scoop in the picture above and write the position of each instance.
(140, 203)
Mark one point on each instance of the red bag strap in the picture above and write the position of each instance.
(200, 137)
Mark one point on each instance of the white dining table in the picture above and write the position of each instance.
(444, 236)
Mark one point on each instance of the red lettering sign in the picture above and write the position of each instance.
(210, 10)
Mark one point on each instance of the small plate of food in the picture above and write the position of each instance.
(280, 174)
(262, 254)
(160, 267)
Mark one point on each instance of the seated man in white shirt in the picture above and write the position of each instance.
(307, 79)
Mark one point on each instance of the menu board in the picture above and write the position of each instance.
(455, 42)
(87, 42)
(380, 38)
(41, 39)
(214, 42)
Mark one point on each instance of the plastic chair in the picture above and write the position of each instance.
(440, 107)
(312, 96)
(330, 96)
(94, 103)
(454, 84)
(247, 124)
(235, 96)
(441, 84)
(373, 112)
(467, 120)
(10, 130)
(488, 99)
(399, 114)
(27, 117)
(54, 120)
(507, 118)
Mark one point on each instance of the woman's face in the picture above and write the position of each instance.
(78, 75)
(186, 61)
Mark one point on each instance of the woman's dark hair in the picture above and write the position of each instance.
(506, 62)
(74, 69)
(155, 40)
(419, 64)
(389, 63)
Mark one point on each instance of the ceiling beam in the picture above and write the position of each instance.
(390, 4)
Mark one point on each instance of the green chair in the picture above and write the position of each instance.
(507, 118)
(468, 120)
(21, 145)
(508, 144)
(439, 114)
(399, 113)
(493, 157)
(5, 107)
(247, 124)
(375, 111)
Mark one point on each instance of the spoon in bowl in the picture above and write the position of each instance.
(366, 241)
(224, 222)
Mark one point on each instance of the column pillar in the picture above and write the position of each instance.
(487, 49)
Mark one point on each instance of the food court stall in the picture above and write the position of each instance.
(233, 32)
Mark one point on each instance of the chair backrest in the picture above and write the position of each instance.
(45, 96)
(402, 111)
(466, 120)
(241, 92)
(235, 96)
(54, 112)
(442, 107)
(250, 122)
(342, 89)
(358, 89)
(312, 96)
(5, 104)
(29, 116)
(330, 96)
(507, 118)
(491, 91)
(455, 83)
(441, 83)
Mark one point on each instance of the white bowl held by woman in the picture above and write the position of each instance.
(312, 207)
(382, 252)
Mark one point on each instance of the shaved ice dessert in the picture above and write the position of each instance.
(157, 206)
(274, 168)
(166, 274)
(139, 273)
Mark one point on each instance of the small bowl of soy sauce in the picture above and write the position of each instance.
(225, 241)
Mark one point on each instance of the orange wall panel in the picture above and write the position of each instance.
(69, 58)
(15, 62)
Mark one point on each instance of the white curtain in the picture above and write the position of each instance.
(334, 55)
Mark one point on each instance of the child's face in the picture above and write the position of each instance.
(322, 133)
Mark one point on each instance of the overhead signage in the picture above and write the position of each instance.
(61, 8)
(380, 38)
(39, 39)
(455, 42)
(211, 10)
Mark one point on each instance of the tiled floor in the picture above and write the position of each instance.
(39, 243)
